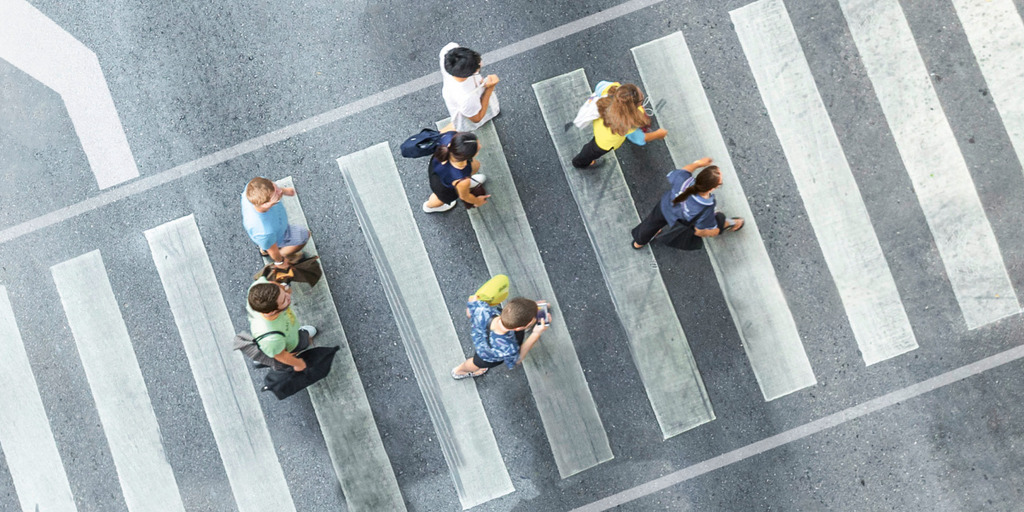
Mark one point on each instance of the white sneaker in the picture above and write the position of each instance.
(310, 329)
(439, 209)
(478, 179)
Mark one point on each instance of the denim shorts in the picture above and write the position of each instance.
(294, 235)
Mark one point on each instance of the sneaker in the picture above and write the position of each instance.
(478, 179)
(310, 329)
(439, 209)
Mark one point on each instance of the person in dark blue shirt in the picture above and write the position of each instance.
(498, 333)
(691, 200)
(453, 172)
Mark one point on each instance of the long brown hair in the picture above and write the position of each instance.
(705, 181)
(621, 109)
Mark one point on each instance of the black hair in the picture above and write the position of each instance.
(705, 181)
(461, 62)
(463, 148)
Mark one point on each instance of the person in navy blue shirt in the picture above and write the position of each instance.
(498, 335)
(691, 200)
(453, 172)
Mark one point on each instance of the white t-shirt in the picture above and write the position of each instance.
(463, 98)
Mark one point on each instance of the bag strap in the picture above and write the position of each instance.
(487, 330)
(257, 339)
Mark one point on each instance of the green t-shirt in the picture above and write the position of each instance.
(285, 322)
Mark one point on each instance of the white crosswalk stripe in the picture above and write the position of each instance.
(567, 409)
(745, 273)
(115, 379)
(824, 180)
(431, 343)
(220, 375)
(362, 466)
(996, 34)
(930, 153)
(657, 342)
(25, 436)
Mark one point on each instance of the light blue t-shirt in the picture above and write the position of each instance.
(265, 229)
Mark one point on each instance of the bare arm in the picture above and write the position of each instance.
(462, 187)
(528, 344)
(489, 84)
(697, 164)
(658, 134)
(275, 253)
(287, 358)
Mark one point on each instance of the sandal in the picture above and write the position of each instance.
(460, 376)
(634, 246)
(734, 219)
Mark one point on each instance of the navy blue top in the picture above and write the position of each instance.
(446, 171)
(694, 206)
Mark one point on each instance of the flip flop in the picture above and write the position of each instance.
(741, 225)
(457, 376)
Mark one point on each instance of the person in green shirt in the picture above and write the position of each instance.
(273, 324)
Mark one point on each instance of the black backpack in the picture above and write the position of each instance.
(422, 144)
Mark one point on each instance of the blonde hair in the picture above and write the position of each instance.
(622, 109)
(259, 191)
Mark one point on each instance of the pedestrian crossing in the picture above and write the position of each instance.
(825, 182)
(116, 382)
(431, 343)
(744, 271)
(932, 158)
(657, 342)
(571, 422)
(219, 371)
(577, 436)
(25, 436)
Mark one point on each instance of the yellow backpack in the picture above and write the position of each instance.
(494, 291)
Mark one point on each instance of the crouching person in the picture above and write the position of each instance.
(498, 335)
(273, 325)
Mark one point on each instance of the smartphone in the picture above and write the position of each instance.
(543, 313)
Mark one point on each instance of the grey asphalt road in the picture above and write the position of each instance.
(193, 78)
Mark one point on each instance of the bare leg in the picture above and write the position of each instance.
(434, 202)
(469, 367)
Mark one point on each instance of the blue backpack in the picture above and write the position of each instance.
(422, 144)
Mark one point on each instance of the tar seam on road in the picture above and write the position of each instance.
(805, 430)
(281, 134)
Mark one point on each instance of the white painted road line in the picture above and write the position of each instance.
(825, 181)
(937, 169)
(431, 343)
(996, 33)
(25, 436)
(346, 421)
(805, 430)
(115, 380)
(567, 409)
(312, 123)
(38, 46)
(745, 273)
(220, 373)
(656, 339)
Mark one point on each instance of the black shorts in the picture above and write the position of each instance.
(445, 194)
(480, 363)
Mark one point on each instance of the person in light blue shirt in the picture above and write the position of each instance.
(497, 334)
(691, 201)
(266, 222)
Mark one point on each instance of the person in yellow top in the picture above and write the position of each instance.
(620, 116)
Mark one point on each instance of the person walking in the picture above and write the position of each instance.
(690, 201)
(498, 335)
(273, 325)
(470, 99)
(266, 222)
(452, 172)
(620, 115)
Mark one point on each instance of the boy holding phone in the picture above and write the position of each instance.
(497, 334)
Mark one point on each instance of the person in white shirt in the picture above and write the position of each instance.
(469, 97)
